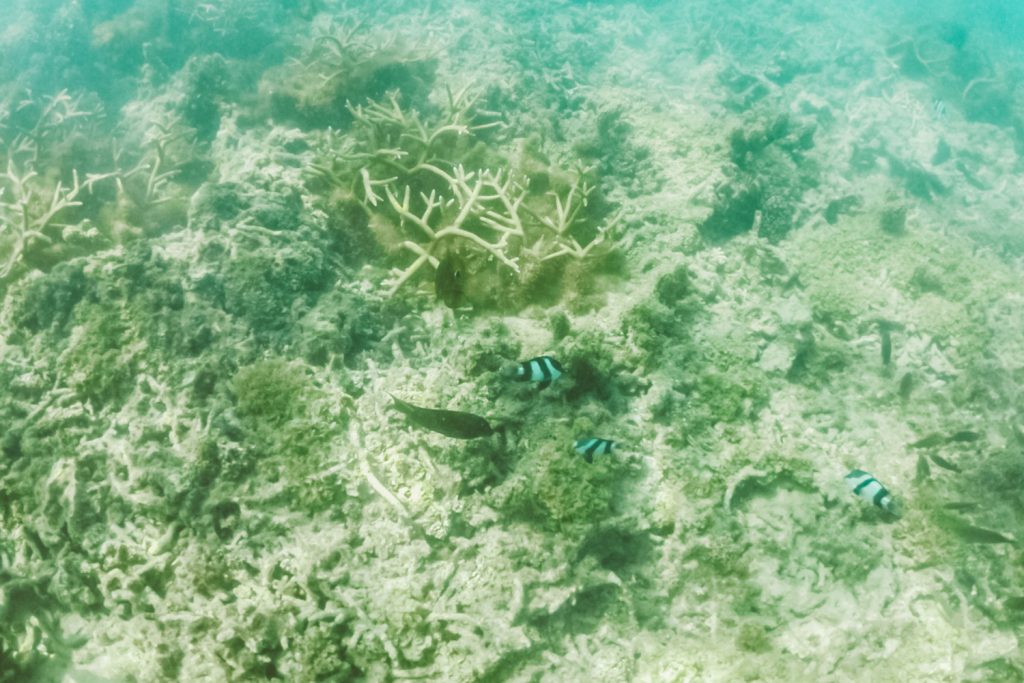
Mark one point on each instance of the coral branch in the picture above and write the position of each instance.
(25, 215)
(413, 170)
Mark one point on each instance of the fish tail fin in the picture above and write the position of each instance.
(399, 405)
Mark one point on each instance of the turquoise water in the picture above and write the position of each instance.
(532, 341)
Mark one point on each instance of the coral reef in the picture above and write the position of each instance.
(427, 188)
(763, 257)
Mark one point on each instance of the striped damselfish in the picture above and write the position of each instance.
(588, 448)
(543, 369)
(868, 488)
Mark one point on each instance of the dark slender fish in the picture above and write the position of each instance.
(906, 386)
(449, 280)
(944, 464)
(976, 534)
(924, 470)
(886, 346)
(929, 441)
(965, 436)
(451, 423)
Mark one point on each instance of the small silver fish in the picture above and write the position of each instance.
(866, 487)
(543, 369)
(938, 109)
(588, 448)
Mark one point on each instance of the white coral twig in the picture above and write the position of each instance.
(472, 195)
(25, 214)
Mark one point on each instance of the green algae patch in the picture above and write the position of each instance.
(270, 391)
(264, 287)
(290, 423)
(557, 490)
(101, 357)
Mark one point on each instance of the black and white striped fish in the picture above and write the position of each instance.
(866, 487)
(938, 109)
(588, 448)
(543, 369)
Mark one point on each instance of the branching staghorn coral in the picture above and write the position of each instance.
(415, 172)
(400, 144)
(505, 227)
(472, 195)
(37, 125)
(38, 133)
(346, 60)
(27, 211)
(57, 114)
(159, 138)
(336, 51)
(225, 18)
(32, 204)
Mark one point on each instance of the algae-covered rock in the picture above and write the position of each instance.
(269, 391)
(265, 289)
(100, 361)
(208, 83)
(771, 173)
(48, 302)
(736, 205)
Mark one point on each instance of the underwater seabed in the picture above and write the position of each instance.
(767, 246)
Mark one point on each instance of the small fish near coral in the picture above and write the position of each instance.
(929, 441)
(867, 488)
(944, 464)
(885, 330)
(975, 534)
(542, 369)
(1014, 603)
(924, 470)
(964, 436)
(588, 448)
(449, 280)
(935, 439)
(453, 423)
(906, 386)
